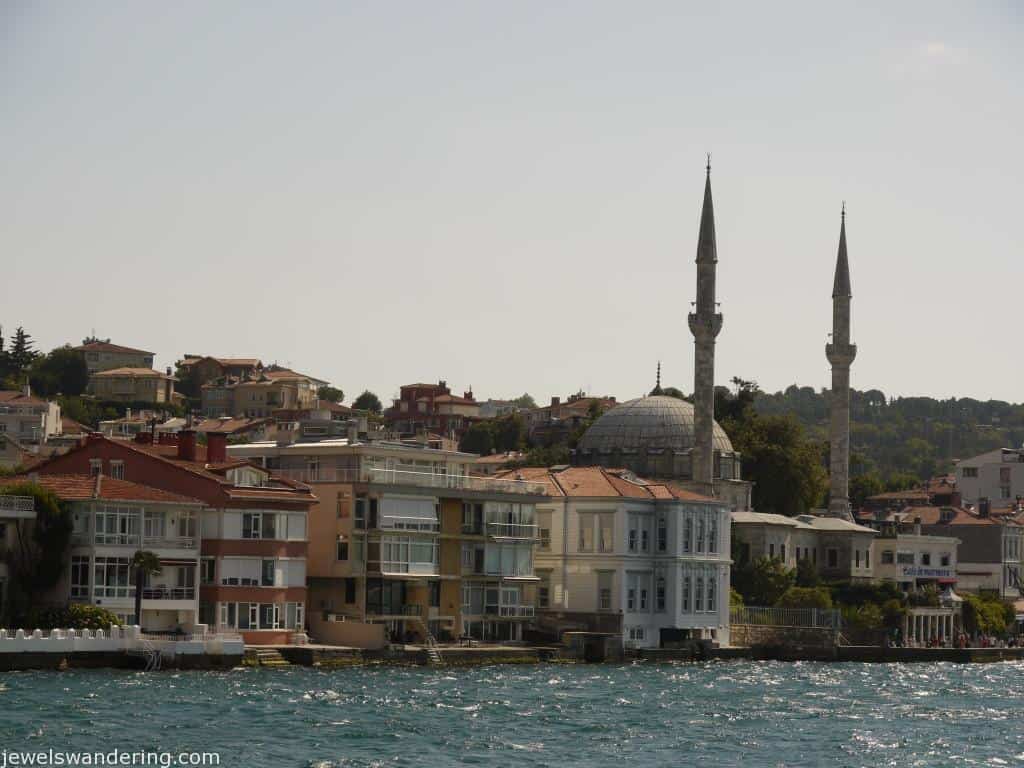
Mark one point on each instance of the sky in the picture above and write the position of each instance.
(506, 195)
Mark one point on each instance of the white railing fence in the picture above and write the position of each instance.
(812, 618)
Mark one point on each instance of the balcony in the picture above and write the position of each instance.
(512, 530)
(169, 593)
(20, 507)
(431, 480)
(170, 542)
(516, 611)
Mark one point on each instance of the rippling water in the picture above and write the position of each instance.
(716, 714)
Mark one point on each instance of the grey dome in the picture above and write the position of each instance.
(656, 422)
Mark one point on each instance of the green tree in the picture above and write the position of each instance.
(189, 381)
(479, 438)
(330, 394)
(525, 400)
(144, 564)
(367, 402)
(735, 598)
(863, 486)
(987, 614)
(806, 597)
(22, 351)
(762, 582)
(806, 574)
(784, 466)
(61, 372)
(509, 432)
(38, 556)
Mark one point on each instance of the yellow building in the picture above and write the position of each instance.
(132, 385)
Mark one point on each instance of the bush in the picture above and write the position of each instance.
(762, 582)
(865, 617)
(806, 597)
(861, 593)
(71, 616)
(735, 599)
(807, 574)
(893, 613)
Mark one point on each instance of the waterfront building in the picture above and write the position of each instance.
(30, 420)
(402, 536)
(836, 548)
(665, 438)
(620, 554)
(912, 560)
(104, 356)
(253, 525)
(113, 519)
(16, 513)
(996, 475)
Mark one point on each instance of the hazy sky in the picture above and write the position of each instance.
(506, 195)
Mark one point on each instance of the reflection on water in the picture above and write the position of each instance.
(716, 714)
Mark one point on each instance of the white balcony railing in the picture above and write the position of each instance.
(170, 542)
(512, 530)
(17, 506)
(517, 611)
(387, 476)
(169, 593)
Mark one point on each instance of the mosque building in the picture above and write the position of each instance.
(669, 439)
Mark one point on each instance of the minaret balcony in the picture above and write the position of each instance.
(704, 326)
(841, 354)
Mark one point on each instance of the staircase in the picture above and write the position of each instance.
(270, 657)
(150, 655)
(431, 653)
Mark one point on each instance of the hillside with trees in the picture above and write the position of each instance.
(898, 441)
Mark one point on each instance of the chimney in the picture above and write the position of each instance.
(187, 445)
(27, 389)
(555, 401)
(216, 447)
(983, 507)
(956, 499)
(468, 394)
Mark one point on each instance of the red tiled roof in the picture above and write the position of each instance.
(17, 397)
(106, 346)
(230, 426)
(598, 482)
(71, 427)
(933, 516)
(84, 488)
(139, 373)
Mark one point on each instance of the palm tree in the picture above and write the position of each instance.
(145, 564)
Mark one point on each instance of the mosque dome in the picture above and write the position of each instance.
(656, 422)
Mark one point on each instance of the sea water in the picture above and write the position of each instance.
(714, 714)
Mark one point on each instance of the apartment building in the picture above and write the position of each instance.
(253, 526)
(403, 536)
(132, 385)
(30, 420)
(838, 549)
(617, 553)
(207, 369)
(997, 475)
(104, 356)
(431, 408)
(113, 519)
(271, 389)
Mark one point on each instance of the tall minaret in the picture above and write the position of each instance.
(840, 354)
(705, 323)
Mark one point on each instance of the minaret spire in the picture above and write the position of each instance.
(657, 383)
(705, 324)
(840, 354)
